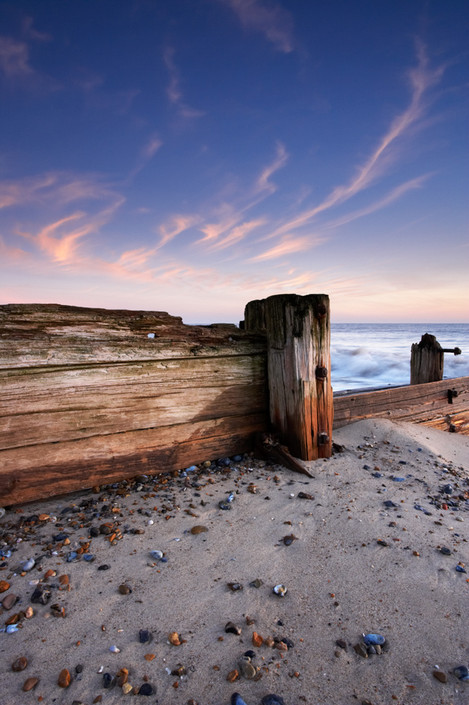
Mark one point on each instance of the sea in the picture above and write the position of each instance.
(371, 355)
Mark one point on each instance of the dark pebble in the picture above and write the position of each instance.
(302, 495)
(288, 642)
(124, 589)
(79, 668)
(250, 654)
(342, 644)
(108, 681)
(389, 504)
(41, 595)
(231, 628)
(224, 505)
(272, 699)
(146, 689)
(288, 540)
(236, 699)
(94, 531)
(105, 530)
(234, 587)
(257, 583)
(19, 664)
(104, 566)
(460, 569)
(461, 672)
(445, 551)
(145, 636)
(447, 489)
(440, 676)
(9, 601)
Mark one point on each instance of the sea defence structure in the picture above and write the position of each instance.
(92, 396)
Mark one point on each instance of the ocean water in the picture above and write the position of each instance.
(368, 355)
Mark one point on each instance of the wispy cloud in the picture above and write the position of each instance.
(174, 227)
(263, 183)
(268, 18)
(237, 234)
(14, 58)
(174, 91)
(421, 78)
(287, 246)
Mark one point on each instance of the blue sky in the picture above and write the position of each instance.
(192, 155)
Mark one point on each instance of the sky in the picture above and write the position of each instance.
(190, 156)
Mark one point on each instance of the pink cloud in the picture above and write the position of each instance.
(271, 20)
(286, 247)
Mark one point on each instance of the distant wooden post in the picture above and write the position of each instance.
(426, 360)
(298, 356)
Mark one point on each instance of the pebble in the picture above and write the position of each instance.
(146, 689)
(4, 586)
(28, 565)
(41, 595)
(124, 589)
(232, 628)
(257, 640)
(236, 699)
(304, 495)
(235, 587)
(272, 699)
(462, 673)
(246, 668)
(157, 555)
(445, 551)
(10, 600)
(288, 540)
(114, 649)
(108, 681)
(280, 590)
(30, 683)
(145, 636)
(199, 529)
(19, 664)
(64, 678)
(440, 676)
(232, 676)
(104, 566)
(373, 639)
(257, 583)
(174, 639)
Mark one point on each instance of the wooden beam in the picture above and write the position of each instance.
(426, 360)
(298, 363)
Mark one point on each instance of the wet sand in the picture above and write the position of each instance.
(351, 563)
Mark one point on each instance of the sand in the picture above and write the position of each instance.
(355, 566)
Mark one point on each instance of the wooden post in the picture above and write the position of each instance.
(426, 360)
(298, 359)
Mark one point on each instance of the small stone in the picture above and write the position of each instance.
(288, 540)
(304, 495)
(179, 671)
(445, 551)
(64, 678)
(30, 683)
(232, 628)
(146, 689)
(198, 529)
(28, 565)
(440, 676)
(257, 583)
(41, 595)
(174, 639)
(124, 589)
(145, 636)
(9, 601)
(29, 613)
(373, 639)
(280, 590)
(108, 681)
(64, 580)
(246, 668)
(234, 587)
(272, 699)
(461, 672)
(19, 664)
(232, 676)
(114, 649)
(360, 649)
(4, 586)
(257, 640)
(149, 657)
(127, 688)
(236, 699)
(342, 644)
(122, 677)
(104, 566)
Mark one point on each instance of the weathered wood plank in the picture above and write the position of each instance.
(50, 334)
(52, 469)
(56, 405)
(421, 403)
(298, 362)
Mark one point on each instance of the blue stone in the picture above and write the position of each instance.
(373, 639)
(460, 569)
(462, 673)
(272, 699)
(236, 699)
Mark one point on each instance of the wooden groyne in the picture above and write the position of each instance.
(91, 396)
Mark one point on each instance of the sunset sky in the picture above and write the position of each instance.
(192, 155)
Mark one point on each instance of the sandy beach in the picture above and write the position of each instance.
(375, 542)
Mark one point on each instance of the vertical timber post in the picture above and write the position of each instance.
(298, 363)
(426, 360)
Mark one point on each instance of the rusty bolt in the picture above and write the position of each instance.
(321, 372)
